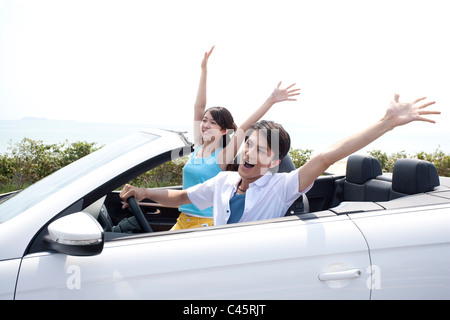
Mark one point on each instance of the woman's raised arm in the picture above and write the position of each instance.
(200, 101)
(278, 95)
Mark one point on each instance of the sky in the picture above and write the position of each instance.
(136, 61)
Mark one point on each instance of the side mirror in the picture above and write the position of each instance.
(77, 234)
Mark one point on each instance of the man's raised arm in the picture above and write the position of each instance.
(397, 114)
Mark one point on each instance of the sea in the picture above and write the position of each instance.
(58, 131)
(302, 137)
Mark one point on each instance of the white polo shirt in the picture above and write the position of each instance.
(268, 197)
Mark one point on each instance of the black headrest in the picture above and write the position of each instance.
(412, 176)
(286, 165)
(361, 168)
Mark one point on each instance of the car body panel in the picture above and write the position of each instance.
(273, 260)
(9, 270)
(410, 252)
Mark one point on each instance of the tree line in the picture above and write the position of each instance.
(29, 160)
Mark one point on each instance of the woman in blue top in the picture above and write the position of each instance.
(216, 142)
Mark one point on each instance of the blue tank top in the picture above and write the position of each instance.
(198, 170)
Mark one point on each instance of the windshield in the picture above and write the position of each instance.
(61, 178)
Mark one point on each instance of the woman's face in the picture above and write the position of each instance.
(211, 130)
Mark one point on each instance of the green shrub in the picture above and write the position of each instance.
(300, 156)
(31, 160)
(438, 158)
(167, 174)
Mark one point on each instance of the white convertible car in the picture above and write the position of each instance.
(365, 235)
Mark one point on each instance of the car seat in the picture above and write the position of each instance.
(411, 176)
(364, 180)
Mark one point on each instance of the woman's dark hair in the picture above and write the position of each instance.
(278, 139)
(225, 120)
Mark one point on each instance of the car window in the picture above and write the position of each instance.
(58, 180)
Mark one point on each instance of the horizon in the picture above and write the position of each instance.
(105, 133)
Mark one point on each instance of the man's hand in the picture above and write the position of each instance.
(401, 113)
(130, 191)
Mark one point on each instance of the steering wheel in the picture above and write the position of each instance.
(137, 212)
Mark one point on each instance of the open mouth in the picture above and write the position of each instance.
(248, 165)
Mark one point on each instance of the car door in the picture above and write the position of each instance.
(410, 251)
(325, 257)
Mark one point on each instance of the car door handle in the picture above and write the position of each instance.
(340, 275)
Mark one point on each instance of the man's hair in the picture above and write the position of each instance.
(278, 139)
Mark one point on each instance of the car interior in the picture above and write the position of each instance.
(364, 187)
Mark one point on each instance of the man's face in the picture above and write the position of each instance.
(257, 157)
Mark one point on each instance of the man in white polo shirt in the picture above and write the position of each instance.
(254, 193)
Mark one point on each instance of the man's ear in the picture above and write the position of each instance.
(274, 163)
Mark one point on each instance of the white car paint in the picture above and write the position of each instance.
(411, 250)
(245, 262)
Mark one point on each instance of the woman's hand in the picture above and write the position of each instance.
(279, 95)
(205, 59)
(401, 113)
